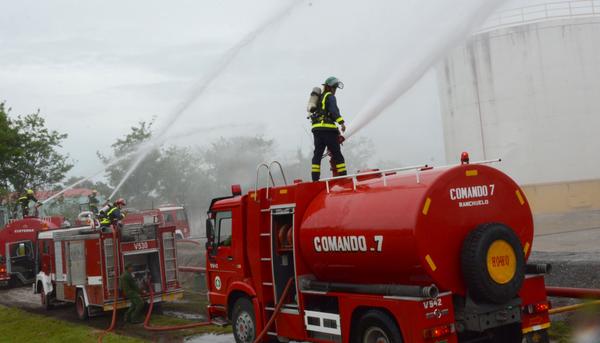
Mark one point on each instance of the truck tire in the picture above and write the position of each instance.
(46, 299)
(80, 308)
(493, 263)
(376, 327)
(244, 321)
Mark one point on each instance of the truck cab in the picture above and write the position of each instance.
(225, 249)
(176, 216)
(19, 258)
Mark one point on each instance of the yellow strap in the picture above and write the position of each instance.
(340, 119)
(111, 211)
(331, 126)
(324, 98)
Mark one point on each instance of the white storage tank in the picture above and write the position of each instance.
(526, 88)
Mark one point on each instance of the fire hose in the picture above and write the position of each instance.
(276, 311)
(148, 327)
(577, 293)
(115, 287)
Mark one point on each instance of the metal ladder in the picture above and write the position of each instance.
(265, 238)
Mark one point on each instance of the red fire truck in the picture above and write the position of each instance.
(416, 254)
(78, 265)
(168, 215)
(18, 256)
(176, 215)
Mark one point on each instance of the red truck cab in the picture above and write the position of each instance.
(18, 253)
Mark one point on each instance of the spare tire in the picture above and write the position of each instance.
(493, 263)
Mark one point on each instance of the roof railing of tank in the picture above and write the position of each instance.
(541, 12)
(268, 167)
(384, 173)
(380, 172)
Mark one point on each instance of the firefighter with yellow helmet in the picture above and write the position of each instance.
(24, 200)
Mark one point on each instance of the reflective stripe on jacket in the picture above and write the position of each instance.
(328, 115)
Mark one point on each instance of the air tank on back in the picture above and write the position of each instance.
(411, 229)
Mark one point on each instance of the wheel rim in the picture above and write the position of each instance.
(375, 335)
(244, 326)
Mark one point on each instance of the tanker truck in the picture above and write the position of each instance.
(416, 254)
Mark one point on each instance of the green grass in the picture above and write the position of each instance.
(560, 332)
(20, 326)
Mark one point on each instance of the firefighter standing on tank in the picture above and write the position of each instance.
(325, 131)
(133, 293)
(112, 214)
(93, 202)
(24, 200)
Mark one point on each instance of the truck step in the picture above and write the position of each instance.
(219, 321)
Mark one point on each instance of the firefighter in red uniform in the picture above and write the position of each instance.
(325, 130)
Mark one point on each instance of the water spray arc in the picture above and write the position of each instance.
(426, 54)
(198, 90)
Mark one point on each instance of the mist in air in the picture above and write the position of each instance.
(380, 56)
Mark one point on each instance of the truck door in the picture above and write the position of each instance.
(76, 266)
(222, 262)
(20, 260)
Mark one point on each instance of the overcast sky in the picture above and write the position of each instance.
(95, 68)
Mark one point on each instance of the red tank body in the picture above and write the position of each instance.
(424, 219)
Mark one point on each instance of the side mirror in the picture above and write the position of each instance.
(210, 232)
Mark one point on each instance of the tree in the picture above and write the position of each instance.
(234, 160)
(9, 147)
(140, 189)
(358, 154)
(37, 162)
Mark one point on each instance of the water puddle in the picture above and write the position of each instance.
(210, 338)
(184, 315)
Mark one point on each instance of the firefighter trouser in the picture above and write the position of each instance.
(25, 210)
(327, 139)
(133, 314)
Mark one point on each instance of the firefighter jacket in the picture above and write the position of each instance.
(93, 200)
(113, 215)
(129, 286)
(327, 114)
(25, 199)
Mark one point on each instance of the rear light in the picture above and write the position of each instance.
(438, 331)
(537, 308)
(2, 270)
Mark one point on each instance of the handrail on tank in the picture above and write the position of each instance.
(540, 12)
(496, 160)
(270, 174)
(382, 172)
(280, 170)
(257, 175)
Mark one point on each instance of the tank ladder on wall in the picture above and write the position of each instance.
(265, 238)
